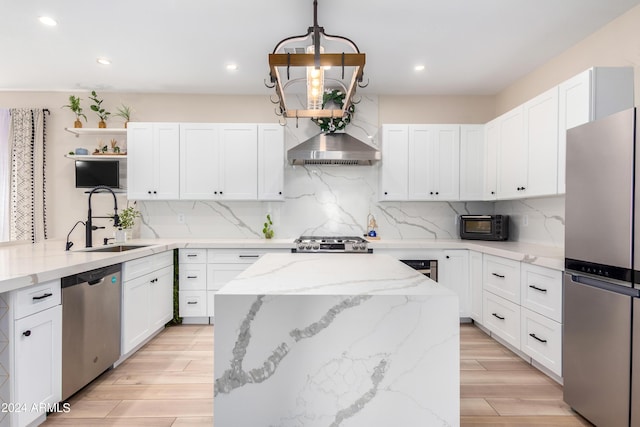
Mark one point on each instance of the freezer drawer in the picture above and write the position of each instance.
(597, 352)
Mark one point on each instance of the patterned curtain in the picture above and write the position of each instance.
(27, 200)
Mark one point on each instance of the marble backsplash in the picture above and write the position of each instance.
(336, 200)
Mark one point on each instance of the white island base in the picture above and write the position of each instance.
(335, 340)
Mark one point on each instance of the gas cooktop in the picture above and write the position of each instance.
(348, 244)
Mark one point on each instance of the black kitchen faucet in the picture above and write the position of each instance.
(88, 226)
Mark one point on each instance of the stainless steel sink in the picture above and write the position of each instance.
(114, 248)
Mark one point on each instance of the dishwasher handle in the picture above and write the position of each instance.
(93, 277)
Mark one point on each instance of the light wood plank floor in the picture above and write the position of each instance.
(169, 382)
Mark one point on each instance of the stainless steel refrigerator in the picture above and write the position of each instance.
(601, 305)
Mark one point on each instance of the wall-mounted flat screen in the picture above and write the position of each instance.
(90, 174)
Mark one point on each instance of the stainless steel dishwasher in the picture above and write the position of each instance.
(91, 305)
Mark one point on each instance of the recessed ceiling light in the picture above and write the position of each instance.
(47, 20)
(419, 68)
(232, 67)
(103, 61)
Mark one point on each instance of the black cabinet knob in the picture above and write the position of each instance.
(155, 192)
(493, 192)
(279, 192)
(385, 193)
(215, 192)
(447, 257)
(431, 192)
(221, 192)
(27, 333)
(149, 191)
(437, 192)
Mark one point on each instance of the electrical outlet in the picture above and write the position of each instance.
(525, 220)
(180, 218)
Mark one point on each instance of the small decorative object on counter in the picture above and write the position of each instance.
(267, 230)
(124, 112)
(97, 107)
(127, 218)
(74, 105)
(372, 225)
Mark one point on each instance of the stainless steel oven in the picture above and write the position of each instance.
(428, 267)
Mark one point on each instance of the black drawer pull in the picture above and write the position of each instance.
(537, 288)
(27, 333)
(192, 302)
(191, 255)
(498, 316)
(498, 275)
(43, 296)
(535, 337)
(192, 277)
(249, 256)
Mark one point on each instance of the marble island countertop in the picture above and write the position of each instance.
(24, 264)
(331, 274)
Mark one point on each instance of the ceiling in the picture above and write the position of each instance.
(183, 46)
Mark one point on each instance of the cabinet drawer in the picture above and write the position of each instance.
(542, 291)
(192, 256)
(37, 298)
(219, 275)
(542, 340)
(141, 266)
(236, 256)
(193, 277)
(193, 303)
(501, 276)
(502, 317)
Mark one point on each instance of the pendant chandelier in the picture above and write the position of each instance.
(317, 72)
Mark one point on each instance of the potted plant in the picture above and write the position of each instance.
(125, 113)
(127, 218)
(97, 107)
(74, 105)
(267, 230)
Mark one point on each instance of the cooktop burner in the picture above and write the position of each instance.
(350, 244)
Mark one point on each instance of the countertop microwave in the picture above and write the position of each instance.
(484, 227)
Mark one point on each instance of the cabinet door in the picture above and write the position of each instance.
(161, 298)
(270, 162)
(166, 158)
(38, 361)
(541, 130)
(239, 168)
(445, 171)
(475, 285)
(512, 155)
(421, 185)
(140, 173)
(472, 158)
(135, 312)
(574, 97)
(394, 163)
(492, 140)
(199, 161)
(454, 274)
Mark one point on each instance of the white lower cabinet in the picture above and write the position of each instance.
(454, 274)
(33, 370)
(542, 340)
(147, 298)
(203, 272)
(502, 317)
(475, 286)
(38, 363)
(522, 305)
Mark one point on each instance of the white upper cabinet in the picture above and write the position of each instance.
(591, 95)
(491, 140)
(394, 178)
(420, 162)
(199, 161)
(153, 167)
(239, 162)
(218, 161)
(472, 158)
(512, 155)
(270, 162)
(541, 133)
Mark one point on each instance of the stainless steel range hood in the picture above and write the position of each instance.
(333, 149)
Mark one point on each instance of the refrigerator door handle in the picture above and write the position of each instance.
(613, 286)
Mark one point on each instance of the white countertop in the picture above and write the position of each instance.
(331, 274)
(23, 265)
